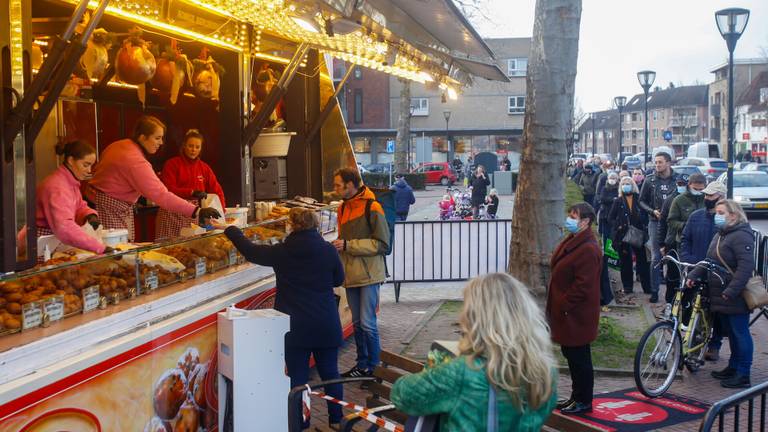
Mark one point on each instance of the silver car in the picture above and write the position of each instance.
(750, 189)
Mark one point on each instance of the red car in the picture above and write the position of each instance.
(437, 172)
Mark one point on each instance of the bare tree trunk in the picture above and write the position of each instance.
(538, 214)
(403, 128)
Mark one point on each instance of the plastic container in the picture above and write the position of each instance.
(239, 214)
(113, 237)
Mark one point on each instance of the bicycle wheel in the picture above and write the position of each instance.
(657, 359)
(695, 345)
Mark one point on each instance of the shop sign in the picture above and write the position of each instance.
(54, 308)
(91, 298)
(745, 136)
(200, 267)
(31, 315)
(759, 122)
(150, 281)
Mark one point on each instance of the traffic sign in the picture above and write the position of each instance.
(390, 146)
(667, 135)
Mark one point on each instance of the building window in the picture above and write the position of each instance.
(516, 105)
(764, 95)
(517, 66)
(358, 72)
(655, 115)
(420, 106)
(358, 105)
(634, 117)
(655, 133)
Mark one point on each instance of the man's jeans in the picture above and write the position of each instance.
(363, 302)
(653, 227)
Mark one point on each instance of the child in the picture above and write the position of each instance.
(446, 207)
(493, 204)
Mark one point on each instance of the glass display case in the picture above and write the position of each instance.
(44, 295)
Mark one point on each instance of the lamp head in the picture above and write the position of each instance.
(646, 79)
(620, 102)
(447, 114)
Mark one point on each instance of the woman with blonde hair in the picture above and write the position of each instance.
(626, 213)
(307, 268)
(505, 355)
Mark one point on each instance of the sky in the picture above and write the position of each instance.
(676, 38)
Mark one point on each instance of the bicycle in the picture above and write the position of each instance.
(669, 345)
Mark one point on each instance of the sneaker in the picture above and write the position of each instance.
(726, 373)
(356, 372)
(737, 381)
(654, 298)
(712, 355)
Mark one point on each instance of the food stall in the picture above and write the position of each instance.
(127, 341)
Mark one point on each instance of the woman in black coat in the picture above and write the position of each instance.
(479, 185)
(307, 269)
(733, 249)
(626, 211)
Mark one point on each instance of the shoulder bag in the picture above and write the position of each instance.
(634, 236)
(755, 293)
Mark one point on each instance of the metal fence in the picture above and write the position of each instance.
(436, 251)
(747, 409)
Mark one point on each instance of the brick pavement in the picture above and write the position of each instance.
(396, 319)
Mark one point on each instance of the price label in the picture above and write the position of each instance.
(31, 315)
(91, 298)
(54, 308)
(200, 267)
(150, 281)
(232, 257)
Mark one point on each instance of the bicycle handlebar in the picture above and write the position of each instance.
(707, 265)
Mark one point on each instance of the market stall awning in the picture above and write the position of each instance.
(482, 70)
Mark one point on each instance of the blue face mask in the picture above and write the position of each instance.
(572, 225)
(695, 192)
(626, 188)
(681, 189)
(719, 220)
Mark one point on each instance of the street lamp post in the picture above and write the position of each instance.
(447, 115)
(411, 109)
(594, 140)
(731, 24)
(620, 102)
(646, 79)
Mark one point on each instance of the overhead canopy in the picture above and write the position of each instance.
(483, 70)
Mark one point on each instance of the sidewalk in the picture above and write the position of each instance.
(396, 319)
(426, 204)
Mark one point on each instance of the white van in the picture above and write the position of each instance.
(668, 150)
(704, 150)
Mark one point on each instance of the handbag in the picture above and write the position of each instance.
(634, 237)
(754, 293)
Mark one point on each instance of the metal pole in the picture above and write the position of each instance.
(730, 123)
(621, 140)
(448, 140)
(594, 140)
(645, 128)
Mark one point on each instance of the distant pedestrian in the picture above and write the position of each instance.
(588, 183)
(626, 212)
(479, 185)
(748, 156)
(404, 197)
(573, 303)
(506, 164)
(493, 204)
(638, 177)
(605, 201)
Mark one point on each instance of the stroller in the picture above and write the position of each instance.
(462, 208)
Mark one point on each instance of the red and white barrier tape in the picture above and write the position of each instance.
(361, 411)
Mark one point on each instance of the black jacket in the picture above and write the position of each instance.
(663, 228)
(621, 216)
(737, 249)
(479, 189)
(655, 190)
(605, 200)
(307, 269)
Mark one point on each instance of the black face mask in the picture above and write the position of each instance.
(709, 204)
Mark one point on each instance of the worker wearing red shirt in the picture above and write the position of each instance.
(191, 179)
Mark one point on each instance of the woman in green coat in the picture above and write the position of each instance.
(506, 343)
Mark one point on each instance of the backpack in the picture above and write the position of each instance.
(385, 198)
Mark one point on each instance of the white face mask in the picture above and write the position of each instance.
(611, 182)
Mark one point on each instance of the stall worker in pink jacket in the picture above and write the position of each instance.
(60, 208)
(123, 174)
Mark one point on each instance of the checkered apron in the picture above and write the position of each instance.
(114, 213)
(169, 224)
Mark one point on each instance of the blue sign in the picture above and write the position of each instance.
(667, 135)
(390, 146)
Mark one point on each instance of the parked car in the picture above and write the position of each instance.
(380, 168)
(750, 189)
(738, 166)
(687, 169)
(623, 156)
(753, 166)
(710, 167)
(437, 172)
(633, 162)
(361, 168)
(582, 156)
(704, 149)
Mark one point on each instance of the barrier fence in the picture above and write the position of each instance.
(438, 251)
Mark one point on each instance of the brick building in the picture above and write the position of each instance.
(751, 122)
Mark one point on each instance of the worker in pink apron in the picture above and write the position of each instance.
(60, 209)
(187, 176)
(123, 174)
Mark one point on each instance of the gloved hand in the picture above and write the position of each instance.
(207, 213)
(108, 250)
(201, 195)
(93, 220)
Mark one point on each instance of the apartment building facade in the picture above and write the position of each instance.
(751, 122)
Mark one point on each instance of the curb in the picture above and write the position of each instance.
(416, 328)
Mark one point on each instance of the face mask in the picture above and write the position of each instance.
(719, 220)
(626, 188)
(572, 225)
(681, 189)
(709, 204)
(638, 178)
(611, 182)
(695, 192)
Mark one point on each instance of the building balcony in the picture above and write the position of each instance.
(714, 110)
(714, 134)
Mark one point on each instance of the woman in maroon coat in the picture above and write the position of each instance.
(573, 303)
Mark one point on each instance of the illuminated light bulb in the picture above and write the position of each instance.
(452, 95)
